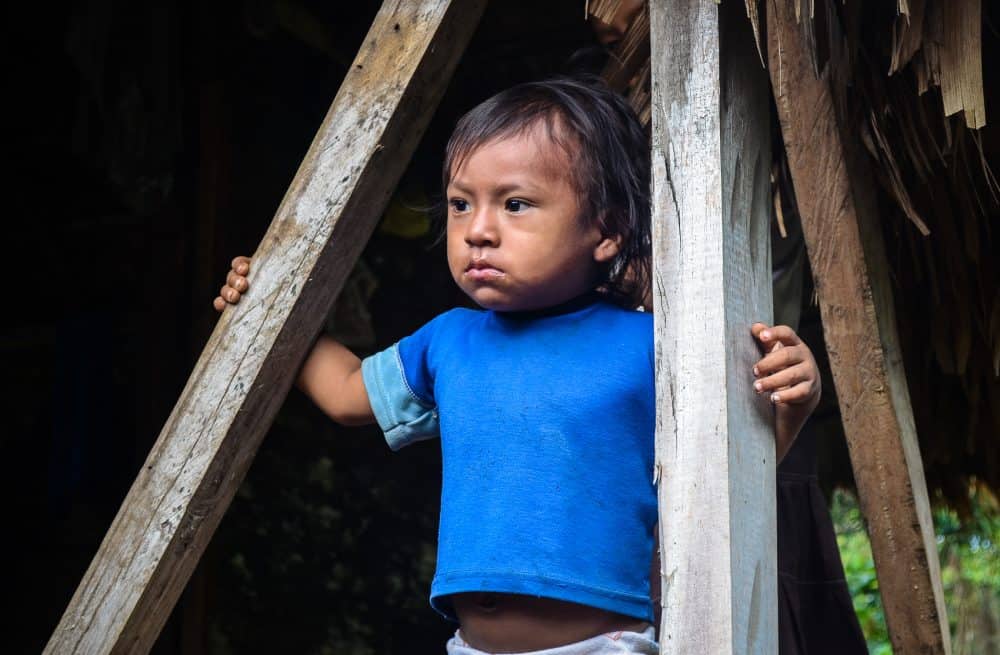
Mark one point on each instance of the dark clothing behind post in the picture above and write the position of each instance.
(815, 612)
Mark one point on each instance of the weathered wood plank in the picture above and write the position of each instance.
(715, 453)
(846, 253)
(250, 361)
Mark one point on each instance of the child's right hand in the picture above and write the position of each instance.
(331, 374)
(236, 284)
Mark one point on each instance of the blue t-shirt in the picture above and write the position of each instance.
(546, 422)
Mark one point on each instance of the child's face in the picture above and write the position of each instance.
(516, 239)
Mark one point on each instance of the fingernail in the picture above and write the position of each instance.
(775, 398)
(765, 335)
(756, 371)
(758, 386)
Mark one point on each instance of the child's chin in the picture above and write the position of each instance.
(494, 299)
(495, 305)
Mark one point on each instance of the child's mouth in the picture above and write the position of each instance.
(482, 271)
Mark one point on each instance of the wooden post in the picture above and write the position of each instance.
(847, 256)
(715, 458)
(251, 359)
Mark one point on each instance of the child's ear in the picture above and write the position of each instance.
(607, 249)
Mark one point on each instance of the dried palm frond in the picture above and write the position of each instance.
(938, 204)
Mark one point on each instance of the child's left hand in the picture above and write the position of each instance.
(788, 373)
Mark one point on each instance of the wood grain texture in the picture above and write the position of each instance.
(846, 253)
(715, 459)
(251, 359)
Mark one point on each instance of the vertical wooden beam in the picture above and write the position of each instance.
(846, 253)
(715, 456)
(251, 359)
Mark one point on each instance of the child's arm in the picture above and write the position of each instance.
(331, 374)
(788, 372)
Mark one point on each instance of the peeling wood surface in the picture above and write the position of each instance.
(843, 238)
(251, 359)
(715, 459)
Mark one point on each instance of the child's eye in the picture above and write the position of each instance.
(458, 205)
(515, 205)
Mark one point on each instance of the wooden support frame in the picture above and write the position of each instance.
(251, 359)
(715, 457)
(847, 256)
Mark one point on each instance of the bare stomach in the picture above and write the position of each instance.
(511, 623)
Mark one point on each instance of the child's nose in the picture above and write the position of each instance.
(482, 230)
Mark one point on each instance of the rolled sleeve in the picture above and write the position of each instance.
(404, 417)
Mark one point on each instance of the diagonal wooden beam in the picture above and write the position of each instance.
(250, 361)
(715, 458)
(847, 256)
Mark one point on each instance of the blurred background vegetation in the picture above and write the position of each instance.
(969, 550)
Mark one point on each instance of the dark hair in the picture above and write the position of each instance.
(610, 151)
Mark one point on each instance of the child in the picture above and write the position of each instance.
(544, 401)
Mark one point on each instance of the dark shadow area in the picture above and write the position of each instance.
(152, 142)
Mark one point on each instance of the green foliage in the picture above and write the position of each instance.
(856, 554)
(969, 551)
